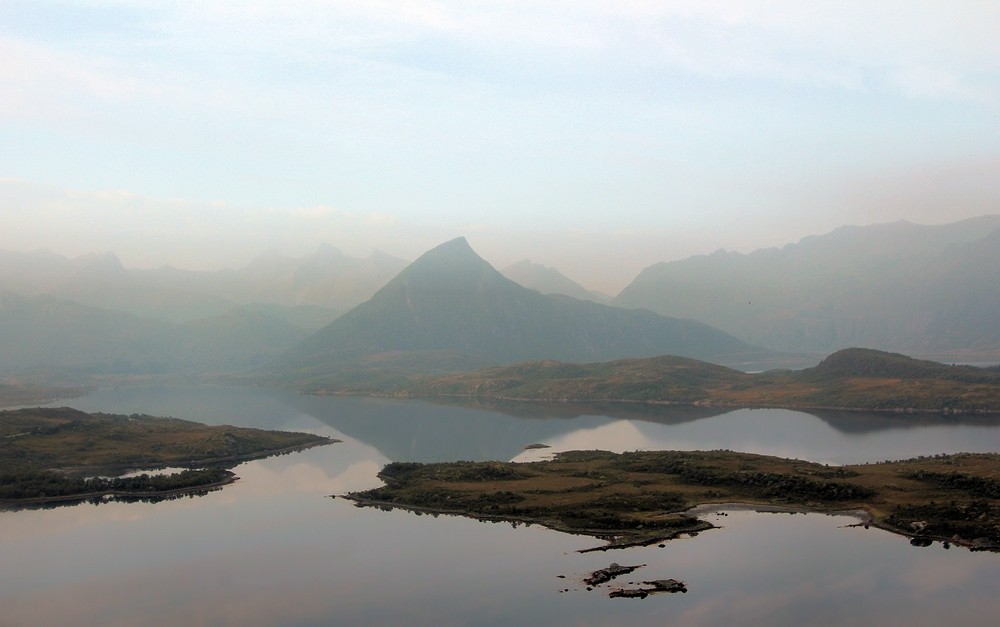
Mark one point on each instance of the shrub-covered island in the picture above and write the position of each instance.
(58, 454)
(644, 497)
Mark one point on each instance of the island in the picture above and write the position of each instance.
(61, 454)
(850, 379)
(644, 498)
(27, 394)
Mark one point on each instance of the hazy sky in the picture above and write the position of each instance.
(598, 137)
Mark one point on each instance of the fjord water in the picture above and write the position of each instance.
(272, 549)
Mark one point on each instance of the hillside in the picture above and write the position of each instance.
(47, 333)
(450, 302)
(900, 287)
(853, 378)
(547, 280)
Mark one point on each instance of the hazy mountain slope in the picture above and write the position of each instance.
(45, 332)
(308, 317)
(325, 283)
(548, 281)
(101, 281)
(326, 278)
(452, 300)
(896, 286)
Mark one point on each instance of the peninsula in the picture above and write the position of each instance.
(644, 498)
(850, 379)
(60, 454)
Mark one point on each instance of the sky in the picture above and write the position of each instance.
(596, 137)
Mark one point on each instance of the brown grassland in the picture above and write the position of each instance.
(853, 379)
(640, 498)
(57, 453)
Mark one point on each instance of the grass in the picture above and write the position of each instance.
(639, 498)
(55, 453)
(853, 378)
(18, 394)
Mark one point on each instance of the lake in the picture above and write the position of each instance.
(273, 549)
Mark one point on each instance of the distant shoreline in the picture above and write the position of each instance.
(627, 401)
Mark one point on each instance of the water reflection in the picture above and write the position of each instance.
(272, 549)
(421, 431)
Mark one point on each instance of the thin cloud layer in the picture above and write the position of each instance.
(751, 124)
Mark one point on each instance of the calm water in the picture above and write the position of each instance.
(273, 550)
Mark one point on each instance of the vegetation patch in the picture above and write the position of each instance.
(641, 498)
(61, 453)
(853, 378)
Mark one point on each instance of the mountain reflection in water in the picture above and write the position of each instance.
(272, 549)
(421, 431)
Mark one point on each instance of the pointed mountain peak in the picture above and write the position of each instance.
(456, 251)
(451, 265)
(458, 247)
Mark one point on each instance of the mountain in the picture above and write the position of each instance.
(547, 280)
(900, 286)
(309, 291)
(325, 278)
(450, 303)
(45, 333)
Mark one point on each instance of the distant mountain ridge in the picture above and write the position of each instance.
(549, 281)
(899, 286)
(325, 278)
(451, 301)
(309, 291)
(48, 334)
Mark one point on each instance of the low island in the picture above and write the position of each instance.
(12, 395)
(60, 454)
(850, 379)
(643, 498)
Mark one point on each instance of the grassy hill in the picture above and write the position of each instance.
(853, 378)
